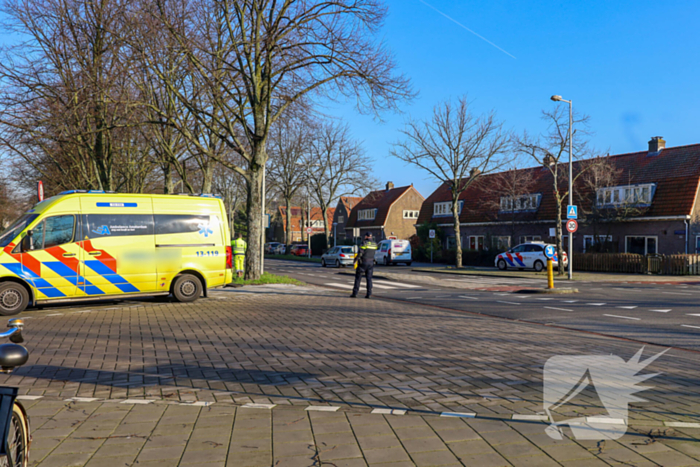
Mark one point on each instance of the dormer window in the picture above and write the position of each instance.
(520, 203)
(366, 214)
(445, 208)
(630, 195)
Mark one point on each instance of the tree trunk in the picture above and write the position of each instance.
(458, 235)
(289, 234)
(560, 255)
(327, 231)
(168, 179)
(208, 174)
(253, 210)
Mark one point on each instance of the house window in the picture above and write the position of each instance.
(520, 203)
(341, 219)
(366, 214)
(316, 224)
(501, 243)
(529, 238)
(445, 208)
(697, 244)
(408, 214)
(590, 240)
(451, 242)
(641, 245)
(634, 195)
(476, 242)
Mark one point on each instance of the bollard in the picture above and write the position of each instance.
(550, 274)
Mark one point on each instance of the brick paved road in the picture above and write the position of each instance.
(305, 346)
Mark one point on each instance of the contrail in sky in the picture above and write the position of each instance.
(463, 26)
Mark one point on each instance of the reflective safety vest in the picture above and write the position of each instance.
(239, 246)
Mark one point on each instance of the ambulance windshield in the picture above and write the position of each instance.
(8, 235)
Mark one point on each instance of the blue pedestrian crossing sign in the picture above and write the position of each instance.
(549, 251)
(572, 212)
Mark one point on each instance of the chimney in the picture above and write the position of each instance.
(474, 172)
(656, 144)
(389, 186)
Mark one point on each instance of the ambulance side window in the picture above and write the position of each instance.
(53, 231)
(179, 223)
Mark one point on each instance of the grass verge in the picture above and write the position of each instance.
(267, 278)
(294, 258)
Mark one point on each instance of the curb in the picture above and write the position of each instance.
(547, 291)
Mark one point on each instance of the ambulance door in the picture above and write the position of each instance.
(118, 248)
(53, 264)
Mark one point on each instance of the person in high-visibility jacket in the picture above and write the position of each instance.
(239, 247)
(365, 265)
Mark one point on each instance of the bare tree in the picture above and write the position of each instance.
(337, 166)
(551, 150)
(452, 146)
(511, 186)
(255, 58)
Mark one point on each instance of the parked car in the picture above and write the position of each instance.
(528, 256)
(279, 249)
(393, 252)
(338, 256)
(299, 250)
(270, 248)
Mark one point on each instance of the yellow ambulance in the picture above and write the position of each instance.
(87, 245)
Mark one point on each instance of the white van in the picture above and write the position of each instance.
(393, 252)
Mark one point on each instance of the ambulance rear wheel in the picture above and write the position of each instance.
(13, 298)
(187, 288)
(502, 265)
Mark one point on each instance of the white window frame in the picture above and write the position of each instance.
(608, 238)
(469, 239)
(410, 214)
(646, 242)
(444, 208)
(341, 219)
(316, 224)
(521, 203)
(366, 214)
(627, 195)
(497, 241)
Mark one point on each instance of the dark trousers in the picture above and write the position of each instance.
(367, 270)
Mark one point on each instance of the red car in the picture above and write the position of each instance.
(299, 250)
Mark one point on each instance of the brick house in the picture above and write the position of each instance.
(657, 188)
(342, 214)
(385, 213)
(298, 233)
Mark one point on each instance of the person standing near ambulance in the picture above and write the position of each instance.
(239, 247)
(365, 265)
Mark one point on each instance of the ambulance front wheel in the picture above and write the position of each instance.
(13, 298)
(187, 288)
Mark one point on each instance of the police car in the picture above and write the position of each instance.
(528, 256)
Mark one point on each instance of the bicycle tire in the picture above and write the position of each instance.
(18, 440)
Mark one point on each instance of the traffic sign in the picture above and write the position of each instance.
(309, 230)
(431, 233)
(40, 191)
(572, 212)
(550, 251)
(572, 225)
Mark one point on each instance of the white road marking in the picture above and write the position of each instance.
(84, 311)
(55, 314)
(627, 307)
(623, 317)
(322, 408)
(138, 401)
(569, 301)
(606, 420)
(379, 286)
(389, 411)
(545, 298)
(682, 424)
(82, 399)
(26, 397)
(408, 286)
(413, 298)
(689, 326)
(250, 405)
(467, 296)
(342, 286)
(661, 311)
(555, 308)
(693, 314)
(530, 417)
(677, 293)
(197, 403)
(509, 303)
(595, 304)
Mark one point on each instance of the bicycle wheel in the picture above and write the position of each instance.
(18, 440)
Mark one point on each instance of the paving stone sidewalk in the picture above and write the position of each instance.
(170, 382)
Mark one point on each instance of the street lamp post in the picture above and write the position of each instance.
(571, 178)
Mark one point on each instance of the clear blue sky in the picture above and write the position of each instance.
(632, 66)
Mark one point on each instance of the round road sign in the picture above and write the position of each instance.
(549, 251)
(309, 230)
(571, 225)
